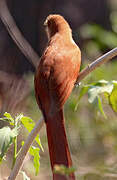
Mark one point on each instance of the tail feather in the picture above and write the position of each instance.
(57, 142)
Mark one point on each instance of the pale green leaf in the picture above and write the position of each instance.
(94, 91)
(102, 82)
(8, 116)
(34, 151)
(6, 139)
(28, 123)
(113, 99)
(37, 139)
(100, 107)
(82, 92)
(114, 82)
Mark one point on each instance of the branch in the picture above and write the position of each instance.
(25, 148)
(95, 64)
(28, 51)
(16, 35)
(33, 57)
(101, 60)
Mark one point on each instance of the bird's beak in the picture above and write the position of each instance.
(45, 23)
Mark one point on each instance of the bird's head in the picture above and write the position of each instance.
(56, 24)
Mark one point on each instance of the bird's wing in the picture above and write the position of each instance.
(62, 79)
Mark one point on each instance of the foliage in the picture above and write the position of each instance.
(61, 169)
(6, 139)
(102, 38)
(8, 136)
(95, 90)
(34, 151)
(92, 127)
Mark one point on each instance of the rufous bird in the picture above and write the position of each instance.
(54, 80)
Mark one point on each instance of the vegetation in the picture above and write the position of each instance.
(8, 136)
(91, 118)
(91, 127)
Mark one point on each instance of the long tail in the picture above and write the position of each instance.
(57, 142)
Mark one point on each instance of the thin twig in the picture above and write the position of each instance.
(24, 150)
(98, 62)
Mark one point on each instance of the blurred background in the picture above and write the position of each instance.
(92, 138)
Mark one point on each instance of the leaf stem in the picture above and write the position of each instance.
(15, 145)
(15, 152)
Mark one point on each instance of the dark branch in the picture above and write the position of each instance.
(16, 35)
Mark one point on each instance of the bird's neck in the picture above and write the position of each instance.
(62, 29)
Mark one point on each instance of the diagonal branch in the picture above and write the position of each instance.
(16, 35)
(95, 64)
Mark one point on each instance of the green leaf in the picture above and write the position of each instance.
(100, 107)
(25, 177)
(113, 99)
(61, 169)
(8, 118)
(83, 91)
(101, 87)
(28, 123)
(5, 119)
(114, 82)
(37, 139)
(6, 139)
(34, 151)
(94, 91)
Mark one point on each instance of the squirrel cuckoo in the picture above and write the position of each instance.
(54, 80)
